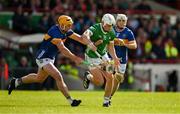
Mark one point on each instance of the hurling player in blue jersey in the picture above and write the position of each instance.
(49, 48)
(124, 40)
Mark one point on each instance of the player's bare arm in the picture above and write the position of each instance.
(66, 52)
(87, 34)
(111, 51)
(131, 44)
(83, 40)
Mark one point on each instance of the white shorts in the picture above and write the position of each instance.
(96, 61)
(45, 61)
(122, 68)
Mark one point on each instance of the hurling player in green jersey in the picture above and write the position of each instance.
(103, 36)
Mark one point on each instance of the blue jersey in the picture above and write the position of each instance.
(48, 48)
(122, 51)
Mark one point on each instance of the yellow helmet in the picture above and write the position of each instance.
(65, 20)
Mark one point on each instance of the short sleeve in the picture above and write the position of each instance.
(53, 32)
(69, 33)
(92, 29)
(130, 36)
(112, 34)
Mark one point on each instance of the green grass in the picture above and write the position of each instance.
(52, 102)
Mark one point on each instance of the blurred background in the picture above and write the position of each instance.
(153, 66)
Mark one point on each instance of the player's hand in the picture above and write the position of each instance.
(98, 42)
(121, 42)
(116, 63)
(92, 46)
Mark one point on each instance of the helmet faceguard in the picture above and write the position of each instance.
(123, 18)
(108, 19)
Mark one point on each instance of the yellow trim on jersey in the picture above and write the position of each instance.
(115, 41)
(46, 37)
(56, 41)
(125, 40)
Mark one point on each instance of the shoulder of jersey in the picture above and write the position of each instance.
(96, 25)
(54, 27)
(129, 30)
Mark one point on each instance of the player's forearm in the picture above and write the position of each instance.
(89, 43)
(68, 53)
(86, 39)
(131, 46)
(82, 40)
(65, 51)
(77, 38)
(113, 54)
(112, 51)
(86, 36)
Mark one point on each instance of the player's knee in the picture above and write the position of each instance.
(110, 77)
(119, 77)
(99, 82)
(33, 74)
(57, 76)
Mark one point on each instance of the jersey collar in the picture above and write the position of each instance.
(118, 30)
(61, 30)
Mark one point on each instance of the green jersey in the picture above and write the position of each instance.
(97, 33)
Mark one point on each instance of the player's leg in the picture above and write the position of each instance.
(94, 73)
(30, 78)
(40, 77)
(95, 76)
(118, 78)
(108, 88)
(109, 83)
(54, 72)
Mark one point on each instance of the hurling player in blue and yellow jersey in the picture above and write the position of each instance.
(124, 40)
(49, 48)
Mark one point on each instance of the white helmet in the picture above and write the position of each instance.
(122, 17)
(108, 19)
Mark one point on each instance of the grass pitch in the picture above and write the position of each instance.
(52, 102)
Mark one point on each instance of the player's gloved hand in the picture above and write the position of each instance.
(92, 46)
(120, 42)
